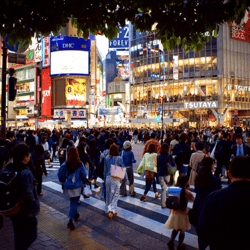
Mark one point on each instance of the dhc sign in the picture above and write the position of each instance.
(199, 105)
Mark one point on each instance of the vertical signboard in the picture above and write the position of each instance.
(38, 48)
(175, 68)
(46, 51)
(46, 92)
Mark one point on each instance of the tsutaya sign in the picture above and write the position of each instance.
(198, 105)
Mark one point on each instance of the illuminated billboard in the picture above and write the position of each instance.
(75, 92)
(69, 56)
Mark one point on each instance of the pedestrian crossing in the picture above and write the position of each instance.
(147, 215)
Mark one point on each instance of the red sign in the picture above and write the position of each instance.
(242, 31)
(104, 93)
(46, 92)
(46, 52)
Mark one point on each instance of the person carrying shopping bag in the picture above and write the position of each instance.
(72, 174)
(165, 163)
(112, 184)
(128, 159)
(149, 165)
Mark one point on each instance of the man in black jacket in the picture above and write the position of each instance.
(240, 148)
(225, 217)
(31, 141)
(222, 154)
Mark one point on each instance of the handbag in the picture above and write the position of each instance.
(149, 175)
(86, 190)
(117, 171)
(46, 154)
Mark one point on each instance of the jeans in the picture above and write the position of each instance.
(135, 137)
(103, 195)
(183, 170)
(148, 186)
(25, 231)
(73, 207)
(39, 179)
(163, 182)
(123, 189)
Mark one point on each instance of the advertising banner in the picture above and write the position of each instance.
(122, 38)
(75, 92)
(46, 93)
(38, 48)
(109, 111)
(175, 68)
(75, 113)
(46, 51)
(69, 56)
(122, 67)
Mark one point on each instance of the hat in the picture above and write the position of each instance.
(126, 144)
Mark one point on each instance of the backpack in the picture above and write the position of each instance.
(219, 152)
(62, 153)
(9, 202)
(175, 198)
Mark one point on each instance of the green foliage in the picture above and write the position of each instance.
(178, 22)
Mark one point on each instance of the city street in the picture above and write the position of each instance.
(139, 225)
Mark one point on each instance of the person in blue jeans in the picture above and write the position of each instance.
(163, 159)
(128, 160)
(72, 174)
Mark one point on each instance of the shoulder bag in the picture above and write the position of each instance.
(117, 171)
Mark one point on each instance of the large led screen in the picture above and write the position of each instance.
(69, 62)
(75, 92)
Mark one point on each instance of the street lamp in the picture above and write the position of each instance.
(87, 108)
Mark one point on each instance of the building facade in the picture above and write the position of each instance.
(206, 88)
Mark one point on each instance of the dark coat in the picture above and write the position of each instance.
(183, 154)
(225, 217)
(31, 142)
(162, 161)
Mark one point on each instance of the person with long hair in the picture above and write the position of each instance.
(205, 184)
(72, 174)
(163, 159)
(178, 219)
(62, 152)
(112, 184)
(149, 166)
(38, 161)
(94, 153)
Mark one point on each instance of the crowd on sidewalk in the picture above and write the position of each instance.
(175, 158)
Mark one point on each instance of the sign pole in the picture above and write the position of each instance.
(3, 108)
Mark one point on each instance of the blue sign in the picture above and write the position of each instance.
(232, 116)
(158, 118)
(159, 109)
(13, 47)
(69, 43)
(236, 116)
(69, 56)
(122, 38)
(109, 111)
(236, 120)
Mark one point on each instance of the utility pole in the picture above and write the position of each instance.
(3, 108)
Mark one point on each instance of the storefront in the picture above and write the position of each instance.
(198, 89)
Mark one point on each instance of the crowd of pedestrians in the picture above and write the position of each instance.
(171, 157)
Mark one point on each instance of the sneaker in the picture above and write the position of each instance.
(71, 225)
(143, 198)
(76, 217)
(50, 166)
(157, 195)
(163, 206)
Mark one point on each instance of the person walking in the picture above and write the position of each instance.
(38, 161)
(112, 184)
(205, 184)
(31, 141)
(45, 145)
(149, 166)
(163, 159)
(224, 218)
(178, 219)
(72, 174)
(128, 160)
(55, 139)
(152, 141)
(24, 222)
(62, 152)
(195, 161)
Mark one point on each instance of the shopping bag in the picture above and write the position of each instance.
(117, 172)
(98, 193)
(86, 190)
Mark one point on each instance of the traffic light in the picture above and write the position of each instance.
(219, 115)
(12, 88)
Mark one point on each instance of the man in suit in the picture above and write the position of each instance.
(240, 148)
